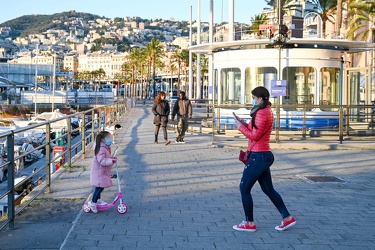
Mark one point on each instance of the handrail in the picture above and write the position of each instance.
(74, 148)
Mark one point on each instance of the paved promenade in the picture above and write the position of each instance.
(186, 196)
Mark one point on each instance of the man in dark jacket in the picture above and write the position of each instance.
(184, 111)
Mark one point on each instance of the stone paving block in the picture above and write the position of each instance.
(360, 247)
(73, 243)
(94, 248)
(131, 240)
(110, 229)
(94, 235)
(312, 247)
(71, 246)
(158, 243)
(109, 244)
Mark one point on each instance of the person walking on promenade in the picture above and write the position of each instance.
(184, 111)
(100, 173)
(258, 132)
(161, 111)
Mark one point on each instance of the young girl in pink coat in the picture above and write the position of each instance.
(100, 173)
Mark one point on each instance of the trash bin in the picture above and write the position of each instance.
(58, 154)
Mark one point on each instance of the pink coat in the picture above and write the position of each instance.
(100, 173)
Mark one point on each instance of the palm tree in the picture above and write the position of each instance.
(204, 70)
(360, 14)
(185, 62)
(173, 69)
(142, 64)
(127, 74)
(134, 58)
(326, 11)
(290, 3)
(101, 73)
(338, 17)
(256, 21)
(182, 59)
(154, 51)
(178, 57)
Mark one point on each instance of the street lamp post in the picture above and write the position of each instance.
(36, 78)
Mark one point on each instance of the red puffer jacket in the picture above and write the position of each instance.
(259, 138)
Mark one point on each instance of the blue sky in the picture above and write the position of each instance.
(150, 9)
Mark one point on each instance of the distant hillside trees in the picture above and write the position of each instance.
(33, 24)
(123, 44)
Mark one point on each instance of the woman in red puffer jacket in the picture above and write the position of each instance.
(258, 131)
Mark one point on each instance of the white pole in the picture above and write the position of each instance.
(190, 56)
(53, 82)
(210, 57)
(231, 21)
(198, 94)
(36, 77)
(171, 88)
(211, 28)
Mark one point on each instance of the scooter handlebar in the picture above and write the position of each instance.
(114, 154)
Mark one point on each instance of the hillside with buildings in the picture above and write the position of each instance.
(82, 43)
(87, 47)
(63, 32)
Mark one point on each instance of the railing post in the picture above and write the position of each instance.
(347, 120)
(117, 112)
(10, 159)
(69, 145)
(304, 123)
(101, 120)
(48, 157)
(213, 124)
(341, 124)
(93, 129)
(83, 134)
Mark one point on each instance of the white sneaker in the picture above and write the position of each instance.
(92, 206)
(101, 203)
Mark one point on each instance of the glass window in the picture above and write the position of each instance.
(300, 86)
(329, 87)
(231, 85)
(354, 95)
(255, 77)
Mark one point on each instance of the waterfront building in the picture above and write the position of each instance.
(110, 62)
(311, 71)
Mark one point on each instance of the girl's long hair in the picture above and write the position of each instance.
(158, 98)
(265, 95)
(98, 140)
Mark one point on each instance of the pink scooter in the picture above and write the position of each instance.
(122, 208)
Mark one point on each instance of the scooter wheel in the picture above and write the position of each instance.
(86, 208)
(122, 208)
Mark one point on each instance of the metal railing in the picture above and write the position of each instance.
(77, 139)
(297, 122)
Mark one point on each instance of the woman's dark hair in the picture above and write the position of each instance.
(158, 98)
(183, 94)
(98, 140)
(260, 92)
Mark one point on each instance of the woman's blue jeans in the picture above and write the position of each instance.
(258, 169)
